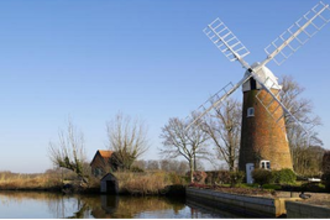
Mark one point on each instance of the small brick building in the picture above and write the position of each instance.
(100, 164)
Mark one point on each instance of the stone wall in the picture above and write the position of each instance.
(301, 210)
(249, 206)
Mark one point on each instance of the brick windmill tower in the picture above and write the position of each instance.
(263, 135)
(264, 141)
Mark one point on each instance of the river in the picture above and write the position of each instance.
(51, 205)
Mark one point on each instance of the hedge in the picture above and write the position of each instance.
(283, 176)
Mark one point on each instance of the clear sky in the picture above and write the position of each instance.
(90, 59)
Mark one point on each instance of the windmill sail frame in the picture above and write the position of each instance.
(234, 50)
(225, 40)
(297, 34)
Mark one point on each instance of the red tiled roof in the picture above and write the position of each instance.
(105, 153)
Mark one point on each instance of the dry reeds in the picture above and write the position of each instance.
(149, 183)
(144, 183)
(10, 181)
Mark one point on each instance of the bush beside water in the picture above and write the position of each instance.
(236, 177)
(218, 177)
(283, 176)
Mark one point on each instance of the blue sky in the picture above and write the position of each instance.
(91, 59)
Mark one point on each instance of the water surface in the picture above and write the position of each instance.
(50, 205)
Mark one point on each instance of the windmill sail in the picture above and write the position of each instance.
(282, 48)
(267, 104)
(234, 50)
(262, 136)
(196, 116)
(215, 101)
(298, 34)
(274, 110)
(226, 42)
(279, 50)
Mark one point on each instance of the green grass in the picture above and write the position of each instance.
(248, 185)
(272, 186)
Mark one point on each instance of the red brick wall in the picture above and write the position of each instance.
(261, 137)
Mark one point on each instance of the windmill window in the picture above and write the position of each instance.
(265, 164)
(250, 112)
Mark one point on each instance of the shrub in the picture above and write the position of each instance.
(176, 179)
(284, 176)
(313, 187)
(262, 176)
(221, 177)
(200, 176)
(236, 177)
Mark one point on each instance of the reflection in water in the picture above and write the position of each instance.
(199, 208)
(130, 207)
(50, 205)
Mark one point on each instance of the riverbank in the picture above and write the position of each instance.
(146, 183)
(38, 182)
(262, 203)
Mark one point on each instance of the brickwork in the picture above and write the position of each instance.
(262, 138)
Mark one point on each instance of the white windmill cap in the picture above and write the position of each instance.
(265, 75)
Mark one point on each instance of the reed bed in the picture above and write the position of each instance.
(146, 183)
(12, 181)
(150, 183)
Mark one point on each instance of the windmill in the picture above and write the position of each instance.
(263, 133)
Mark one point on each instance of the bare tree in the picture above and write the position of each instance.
(69, 151)
(179, 167)
(224, 129)
(165, 165)
(127, 138)
(182, 168)
(301, 144)
(142, 164)
(190, 144)
(153, 165)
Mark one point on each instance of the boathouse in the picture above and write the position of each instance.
(109, 184)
